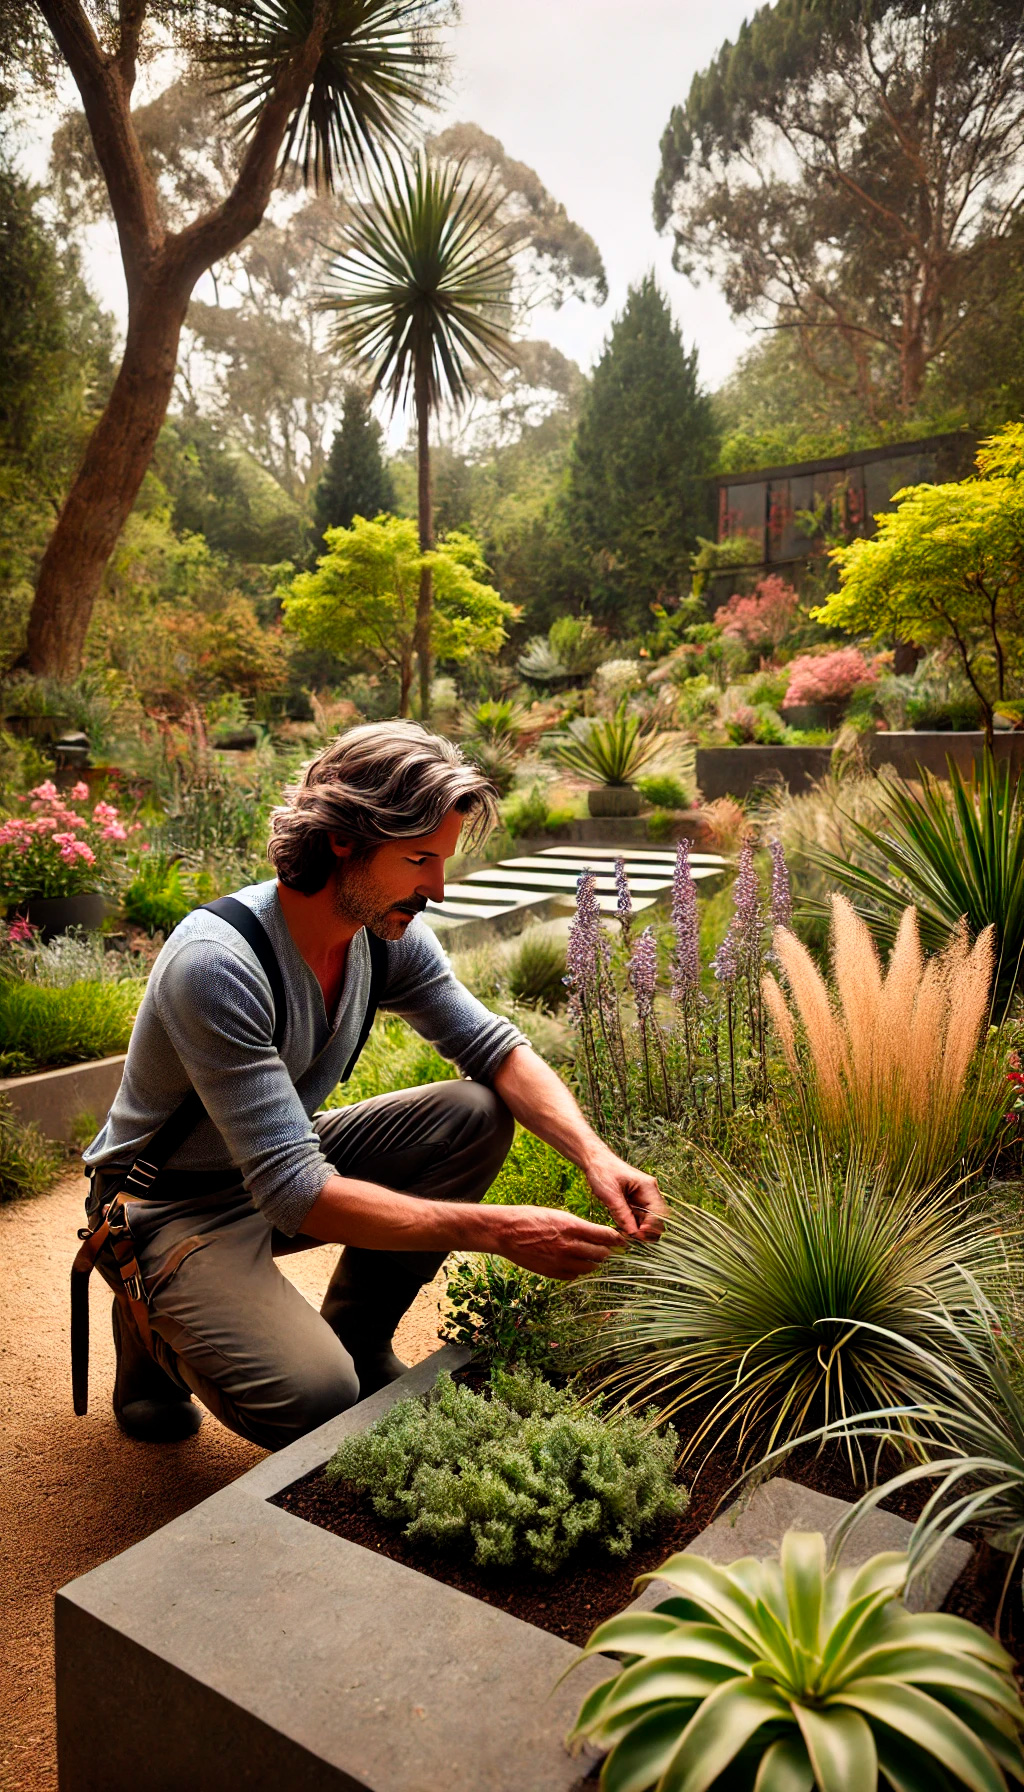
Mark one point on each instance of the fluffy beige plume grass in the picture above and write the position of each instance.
(890, 1051)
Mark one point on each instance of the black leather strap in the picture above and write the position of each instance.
(254, 934)
(186, 1117)
(188, 1114)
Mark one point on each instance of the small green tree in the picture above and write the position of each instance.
(361, 602)
(355, 481)
(637, 500)
(947, 568)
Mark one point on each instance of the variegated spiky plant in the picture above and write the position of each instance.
(787, 1677)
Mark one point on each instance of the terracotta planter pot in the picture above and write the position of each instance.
(55, 914)
(614, 799)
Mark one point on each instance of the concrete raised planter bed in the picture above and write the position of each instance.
(736, 771)
(241, 1646)
(55, 1099)
(907, 752)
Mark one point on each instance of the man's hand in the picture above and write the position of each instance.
(633, 1199)
(540, 1100)
(548, 1241)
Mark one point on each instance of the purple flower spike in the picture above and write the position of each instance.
(782, 896)
(686, 957)
(726, 964)
(643, 973)
(584, 942)
(624, 901)
(748, 917)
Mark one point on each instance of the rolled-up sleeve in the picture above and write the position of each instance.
(424, 990)
(226, 1048)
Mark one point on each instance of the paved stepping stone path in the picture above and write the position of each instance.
(546, 882)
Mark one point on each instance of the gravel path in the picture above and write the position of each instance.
(74, 1492)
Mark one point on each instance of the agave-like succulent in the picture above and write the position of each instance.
(612, 751)
(786, 1676)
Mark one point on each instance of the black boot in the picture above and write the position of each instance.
(366, 1297)
(148, 1404)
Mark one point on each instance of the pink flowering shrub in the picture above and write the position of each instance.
(828, 677)
(763, 619)
(60, 848)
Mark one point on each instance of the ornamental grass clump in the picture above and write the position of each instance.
(41, 1027)
(787, 1676)
(891, 1068)
(807, 1295)
(521, 1479)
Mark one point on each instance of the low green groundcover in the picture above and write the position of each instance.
(522, 1478)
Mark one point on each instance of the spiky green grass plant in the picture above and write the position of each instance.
(785, 1677)
(758, 1309)
(953, 849)
(971, 1434)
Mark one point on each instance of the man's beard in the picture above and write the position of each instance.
(359, 898)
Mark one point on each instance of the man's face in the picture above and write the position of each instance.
(395, 883)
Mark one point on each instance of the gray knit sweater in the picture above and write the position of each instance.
(207, 1021)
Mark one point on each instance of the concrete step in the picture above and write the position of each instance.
(560, 880)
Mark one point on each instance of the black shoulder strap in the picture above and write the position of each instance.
(378, 983)
(254, 934)
(187, 1115)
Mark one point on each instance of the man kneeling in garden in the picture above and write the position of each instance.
(243, 1033)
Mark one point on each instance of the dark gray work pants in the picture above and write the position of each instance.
(235, 1331)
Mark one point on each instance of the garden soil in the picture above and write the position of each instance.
(74, 1492)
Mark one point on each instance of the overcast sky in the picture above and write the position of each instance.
(581, 90)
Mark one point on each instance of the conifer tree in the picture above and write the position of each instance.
(356, 480)
(638, 496)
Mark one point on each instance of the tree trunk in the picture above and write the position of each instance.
(107, 482)
(404, 686)
(425, 602)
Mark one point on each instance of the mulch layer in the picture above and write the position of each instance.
(593, 1586)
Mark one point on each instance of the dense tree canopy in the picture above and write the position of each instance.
(850, 171)
(637, 495)
(946, 568)
(362, 600)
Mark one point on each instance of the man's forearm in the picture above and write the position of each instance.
(538, 1098)
(541, 1101)
(348, 1211)
(377, 1219)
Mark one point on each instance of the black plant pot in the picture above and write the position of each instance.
(55, 914)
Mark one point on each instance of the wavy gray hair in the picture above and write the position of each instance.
(381, 781)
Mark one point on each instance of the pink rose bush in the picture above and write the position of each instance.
(828, 677)
(60, 848)
(762, 620)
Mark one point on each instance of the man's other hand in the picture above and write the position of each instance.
(633, 1199)
(548, 1241)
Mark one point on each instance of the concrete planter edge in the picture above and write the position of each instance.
(54, 1099)
(259, 1650)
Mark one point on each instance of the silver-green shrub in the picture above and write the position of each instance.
(520, 1479)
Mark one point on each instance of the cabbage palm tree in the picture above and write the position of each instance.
(421, 283)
